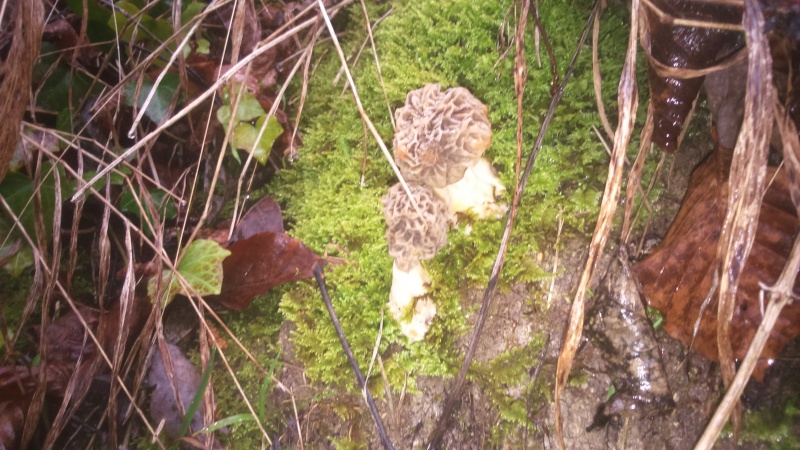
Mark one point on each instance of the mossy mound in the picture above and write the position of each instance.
(331, 196)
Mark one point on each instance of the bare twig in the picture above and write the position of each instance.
(376, 417)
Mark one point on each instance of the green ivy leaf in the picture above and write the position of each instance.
(245, 133)
(160, 102)
(201, 267)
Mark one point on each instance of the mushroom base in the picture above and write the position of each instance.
(475, 193)
(407, 288)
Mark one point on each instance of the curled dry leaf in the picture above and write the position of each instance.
(264, 216)
(677, 277)
(163, 405)
(262, 257)
(261, 262)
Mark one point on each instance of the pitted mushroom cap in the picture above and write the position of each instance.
(440, 134)
(413, 237)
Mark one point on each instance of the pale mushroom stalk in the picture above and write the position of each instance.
(413, 238)
(475, 193)
(439, 141)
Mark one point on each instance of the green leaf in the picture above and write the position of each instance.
(160, 102)
(191, 10)
(18, 190)
(231, 420)
(201, 267)
(245, 134)
(19, 262)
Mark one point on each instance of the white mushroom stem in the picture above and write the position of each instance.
(405, 287)
(475, 193)
(417, 327)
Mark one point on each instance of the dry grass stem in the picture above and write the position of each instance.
(597, 78)
(746, 183)
(628, 103)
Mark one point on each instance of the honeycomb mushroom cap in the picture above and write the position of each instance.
(440, 134)
(413, 237)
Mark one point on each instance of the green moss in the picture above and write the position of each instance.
(774, 426)
(335, 208)
(455, 44)
(257, 328)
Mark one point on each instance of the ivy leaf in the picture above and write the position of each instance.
(163, 203)
(160, 102)
(245, 134)
(201, 267)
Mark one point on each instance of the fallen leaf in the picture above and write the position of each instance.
(261, 262)
(679, 274)
(264, 216)
(163, 405)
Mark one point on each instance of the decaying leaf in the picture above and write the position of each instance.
(261, 262)
(678, 276)
(264, 216)
(678, 57)
(163, 405)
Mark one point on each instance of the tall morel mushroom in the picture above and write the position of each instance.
(439, 141)
(413, 237)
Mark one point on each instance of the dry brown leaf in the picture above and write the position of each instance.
(679, 274)
(261, 262)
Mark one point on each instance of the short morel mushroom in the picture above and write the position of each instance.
(412, 238)
(439, 141)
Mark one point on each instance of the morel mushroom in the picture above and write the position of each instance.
(413, 237)
(439, 141)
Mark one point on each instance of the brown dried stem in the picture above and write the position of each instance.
(628, 103)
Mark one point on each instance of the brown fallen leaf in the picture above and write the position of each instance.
(163, 404)
(678, 276)
(264, 216)
(261, 262)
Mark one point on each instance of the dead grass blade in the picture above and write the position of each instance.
(596, 77)
(635, 175)
(747, 183)
(17, 71)
(452, 401)
(628, 103)
(280, 35)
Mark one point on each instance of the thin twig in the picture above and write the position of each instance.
(352, 360)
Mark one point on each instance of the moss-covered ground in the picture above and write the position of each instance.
(331, 196)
